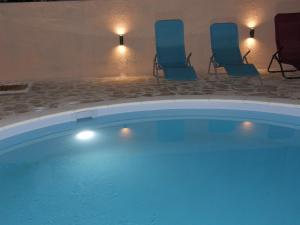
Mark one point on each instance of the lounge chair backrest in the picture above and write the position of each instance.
(225, 43)
(287, 30)
(170, 42)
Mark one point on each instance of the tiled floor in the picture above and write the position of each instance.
(61, 95)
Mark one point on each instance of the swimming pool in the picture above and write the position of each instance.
(184, 165)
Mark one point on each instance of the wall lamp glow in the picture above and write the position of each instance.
(252, 32)
(121, 39)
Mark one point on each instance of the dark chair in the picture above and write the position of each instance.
(287, 31)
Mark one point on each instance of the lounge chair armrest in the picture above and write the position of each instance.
(245, 56)
(188, 59)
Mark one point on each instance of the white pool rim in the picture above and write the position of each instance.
(105, 110)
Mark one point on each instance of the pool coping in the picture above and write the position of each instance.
(37, 120)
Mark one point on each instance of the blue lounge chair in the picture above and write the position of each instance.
(170, 52)
(227, 54)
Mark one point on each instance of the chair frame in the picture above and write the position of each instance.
(276, 56)
(157, 67)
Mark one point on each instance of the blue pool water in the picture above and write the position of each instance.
(184, 167)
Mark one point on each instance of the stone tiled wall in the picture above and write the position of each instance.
(78, 39)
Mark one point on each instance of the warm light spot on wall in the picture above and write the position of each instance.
(252, 18)
(250, 42)
(120, 58)
(121, 17)
(122, 49)
(120, 30)
(125, 132)
(251, 23)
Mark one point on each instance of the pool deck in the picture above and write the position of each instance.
(53, 96)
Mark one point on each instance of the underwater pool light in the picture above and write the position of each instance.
(85, 135)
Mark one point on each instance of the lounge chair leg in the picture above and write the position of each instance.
(211, 62)
(155, 69)
(282, 71)
(209, 66)
(271, 62)
(154, 66)
(157, 74)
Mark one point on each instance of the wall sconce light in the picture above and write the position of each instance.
(121, 39)
(252, 32)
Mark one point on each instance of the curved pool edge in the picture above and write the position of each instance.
(30, 124)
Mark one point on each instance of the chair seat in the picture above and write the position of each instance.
(180, 73)
(173, 65)
(242, 70)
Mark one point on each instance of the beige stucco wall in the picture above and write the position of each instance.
(78, 39)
